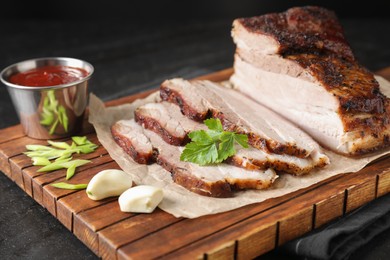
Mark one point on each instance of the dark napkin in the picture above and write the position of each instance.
(341, 238)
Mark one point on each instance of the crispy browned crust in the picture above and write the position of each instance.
(277, 165)
(253, 139)
(313, 37)
(127, 146)
(302, 29)
(172, 96)
(154, 125)
(358, 94)
(220, 189)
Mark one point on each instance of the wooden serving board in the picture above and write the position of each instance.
(243, 233)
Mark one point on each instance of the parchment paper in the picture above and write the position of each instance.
(182, 203)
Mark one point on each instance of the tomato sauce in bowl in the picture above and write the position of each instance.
(50, 95)
(48, 76)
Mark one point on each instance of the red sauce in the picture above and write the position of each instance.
(48, 76)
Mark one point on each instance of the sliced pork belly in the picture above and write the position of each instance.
(253, 159)
(265, 129)
(170, 124)
(298, 30)
(216, 181)
(299, 64)
(130, 136)
(162, 118)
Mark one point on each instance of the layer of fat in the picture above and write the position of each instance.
(306, 104)
(274, 63)
(261, 43)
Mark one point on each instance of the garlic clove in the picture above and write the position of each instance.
(140, 199)
(108, 183)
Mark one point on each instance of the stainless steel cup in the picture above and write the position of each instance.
(49, 112)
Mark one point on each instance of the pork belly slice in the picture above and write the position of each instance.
(166, 120)
(170, 124)
(221, 180)
(130, 136)
(298, 30)
(255, 159)
(265, 129)
(298, 64)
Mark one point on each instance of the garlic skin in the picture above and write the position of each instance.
(140, 199)
(108, 183)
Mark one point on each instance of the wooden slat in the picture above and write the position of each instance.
(329, 208)
(87, 223)
(12, 148)
(260, 240)
(361, 194)
(224, 251)
(132, 229)
(11, 133)
(383, 184)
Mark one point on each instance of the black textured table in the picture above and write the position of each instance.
(130, 57)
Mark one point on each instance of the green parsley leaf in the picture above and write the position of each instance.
(226, 147)
(200, 153)
(214, 124)
(200, 136)
(241, 140)
(212, 146)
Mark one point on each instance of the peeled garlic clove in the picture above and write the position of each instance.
(140, 199)
(108, 183)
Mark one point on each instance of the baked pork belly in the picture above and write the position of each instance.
(221, 180)
(169, 123)
(299, 64)
(166, 120)
(265, 129)
(130, 136)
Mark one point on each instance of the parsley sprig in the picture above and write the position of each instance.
(213, 145)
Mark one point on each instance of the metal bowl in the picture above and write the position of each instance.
(49, 112)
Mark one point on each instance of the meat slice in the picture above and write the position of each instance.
(253, 159)
(298, 30)
(169, 123)
(166, 120)
(215, 181)
(298, 64)
(130, 136)
(265, 129)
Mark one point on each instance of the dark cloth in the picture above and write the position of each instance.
(341, 238)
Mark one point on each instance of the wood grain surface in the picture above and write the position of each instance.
(243, 233)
